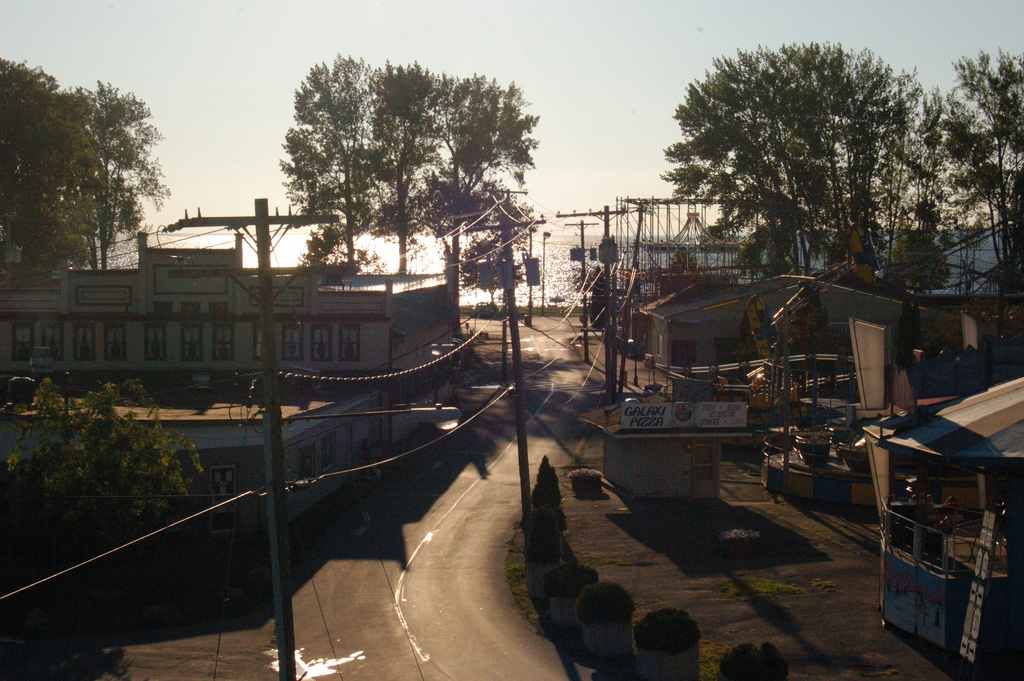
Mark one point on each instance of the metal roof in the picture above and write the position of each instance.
(983, 431)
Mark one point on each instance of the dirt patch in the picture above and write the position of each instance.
(515, 574)
(759, 588)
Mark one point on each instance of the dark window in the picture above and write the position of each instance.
(320, 343)
(291, 342)
(224, 342)
(190, 309)
(219, 310)
(191, 343)
(223, 486)
(23, 342)
(115, 342)
(163, 308)
(51, 335)
(348, 346)
(257, 342)
(85, 342)
(156, 342)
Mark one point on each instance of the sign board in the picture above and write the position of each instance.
(99, 294)
(976, 601)
(189, 279)
(693, 415)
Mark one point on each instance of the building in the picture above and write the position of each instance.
(185, 323)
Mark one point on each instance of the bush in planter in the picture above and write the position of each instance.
(666, 642)
(547, 492)
(746, 662)
(541, 498)
(543, 548)
(585, 480)
(605, 611)
(562, 586)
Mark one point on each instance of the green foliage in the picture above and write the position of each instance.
(746, 662)
(670, 629)
(547, 492)
(46, 165)
(568, 580)
(604, 602)
(921, 263)
(544, 541)
(123, 140)
(68, 463)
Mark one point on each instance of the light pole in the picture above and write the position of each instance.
(544, 272)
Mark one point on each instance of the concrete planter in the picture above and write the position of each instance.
(657, 665)
(562, 611)
(586, 486)
(535, 574)
(608, 639)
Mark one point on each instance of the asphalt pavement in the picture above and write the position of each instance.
(411, 583)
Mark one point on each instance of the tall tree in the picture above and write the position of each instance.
(405, 130)
(123, 139)
(45, 163)
(331, 153)
(985, 141)
(792, 143)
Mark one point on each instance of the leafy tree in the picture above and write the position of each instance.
(46, 161)
(65, 456)
(123, 140)
(483, 248)
(985, 142)
(792, 142)
(405, 130)
(331, 152)
(919, 261)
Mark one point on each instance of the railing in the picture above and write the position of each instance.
(947, 550)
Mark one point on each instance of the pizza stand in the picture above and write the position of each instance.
(944, 565)
(668, 449)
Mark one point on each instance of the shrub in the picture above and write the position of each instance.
(568, 580)
(547, 491)
(670, 630)
(544, 541)
(584, 474)
(746, 662)
(604, 602)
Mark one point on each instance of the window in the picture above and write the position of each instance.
(163, 308)
(327, 451)
(85, 342)
(51, 335)
(23, 342)
(222, 485)
(115, 345)
(320, 343)
(191, 343)
(190, 309)
(257, 342)
(223, 342)
(219, 310)
(348, 346)
(156, 342)
(291, 342)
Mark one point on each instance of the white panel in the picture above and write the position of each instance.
(868, 342)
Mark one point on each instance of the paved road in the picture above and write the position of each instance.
(411, 585)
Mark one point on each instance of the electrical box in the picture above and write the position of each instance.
(532, 271)
(593, 254)
(608, 251)
(577, 254)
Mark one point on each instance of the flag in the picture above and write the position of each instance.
(755, 328)
(863, 254)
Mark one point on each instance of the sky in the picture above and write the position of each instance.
(604, 77)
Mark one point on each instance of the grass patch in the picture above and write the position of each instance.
(515, 575)
(823, 584)
(764, 588)
(711, 653)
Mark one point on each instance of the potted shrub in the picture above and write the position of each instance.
(666, 646)
(563, 586)
(746, 662)
(547, 491)
(541, 498)
(543, 549)
(605, 612)
(739, 543)
(585, 481)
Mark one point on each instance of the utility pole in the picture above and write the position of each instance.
(529, 289)
(273, 447)
(509, 282)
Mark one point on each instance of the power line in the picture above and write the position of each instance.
(226, 502)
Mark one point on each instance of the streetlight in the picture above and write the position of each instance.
(544, 271)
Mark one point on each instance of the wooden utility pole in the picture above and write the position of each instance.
(273, 446)
(509, 282)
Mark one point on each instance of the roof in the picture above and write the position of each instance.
(980, 432)
(419, 309)
(705, 294)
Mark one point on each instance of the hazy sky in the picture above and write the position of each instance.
(604, 77)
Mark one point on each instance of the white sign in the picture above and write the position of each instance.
(647, 415)
(660, 415)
